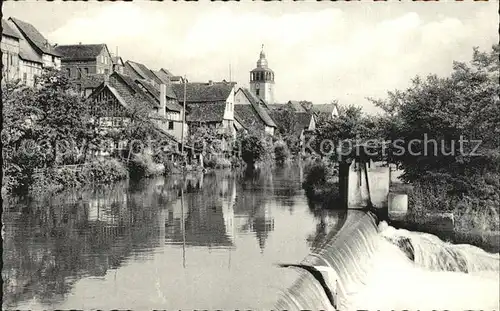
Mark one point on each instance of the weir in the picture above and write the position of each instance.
(348, 253)
(366, 249)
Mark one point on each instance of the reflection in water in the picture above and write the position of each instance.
(183, 242)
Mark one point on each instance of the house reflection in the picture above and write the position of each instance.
(204, 217)
(215, 216)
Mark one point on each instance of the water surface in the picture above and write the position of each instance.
(199, 242)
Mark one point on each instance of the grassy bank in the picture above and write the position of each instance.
(104, 171)
(475, 216)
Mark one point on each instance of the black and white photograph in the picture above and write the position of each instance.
(251, 155)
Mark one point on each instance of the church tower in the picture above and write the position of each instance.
(262, 80)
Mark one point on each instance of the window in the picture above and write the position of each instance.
(86, 71)
(68, 72)
(78, 73)
(25, 76)
(79, 87)
(170, 125)
(257, 92)
(106, 71)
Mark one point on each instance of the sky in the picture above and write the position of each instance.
(319, 51)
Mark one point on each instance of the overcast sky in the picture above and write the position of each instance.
(319, 51)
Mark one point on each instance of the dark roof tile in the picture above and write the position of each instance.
(203, 92)
(35, 37)
(204, 112)
(143, 71)
(163, 76)
(260, 107)
(7, 30)
(296, 106)
(248, 117)
(80, 51)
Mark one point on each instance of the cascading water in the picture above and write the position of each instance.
(430, 252)
(381, 268)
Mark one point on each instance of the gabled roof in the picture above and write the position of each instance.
(327, 108)
(9, 31)
(259, 106)
(80, 51)
(204, 92)
(163, 75)
(143, 71)
(130, 90)
(296, 105)
(28, 54)
(166, 72)
(155, 93)
(129, 93)
(203, 112)
(34, 37)
(117, 60)
(248, 117)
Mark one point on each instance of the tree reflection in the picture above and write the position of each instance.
(329, 223)
(51, 242)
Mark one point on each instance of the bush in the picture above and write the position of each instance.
(281, 152)
(104, 171)
(142, 165)
(217, 162)
(252, 149)
(473, 201)
(321, 182)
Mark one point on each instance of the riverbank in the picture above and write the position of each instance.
(460, 223)
(431, 207)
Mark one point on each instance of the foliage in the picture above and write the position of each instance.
(321, 182)
(142, 165)
(351, 127)
(254, 148)
(36, 123)
(209, 139)
(104, 171)
(281, 152)
(465, 104)
(439, 112)
(217, 162)
(286, 121)
(44, 126)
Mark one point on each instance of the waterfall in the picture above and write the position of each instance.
(381, 268)
(430, 252)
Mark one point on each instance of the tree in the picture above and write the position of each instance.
(439, 111)
(41, 118)
(253, 149)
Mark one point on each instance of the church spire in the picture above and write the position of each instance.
(262, 62)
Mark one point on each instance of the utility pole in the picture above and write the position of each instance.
(183, 119)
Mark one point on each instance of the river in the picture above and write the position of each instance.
(196, 242)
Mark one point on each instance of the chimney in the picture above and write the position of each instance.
(79, 43)
(210, 82)
(106, 79)
(163, 100)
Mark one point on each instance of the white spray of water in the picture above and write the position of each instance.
(377, 271)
